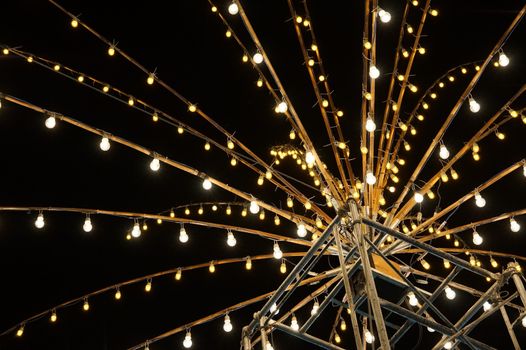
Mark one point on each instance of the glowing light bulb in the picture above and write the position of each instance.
(370, 126)
(278, 254)
(257, 58)
(447, 264)
(74, 23)
(85, 306)
(282, 107)
(118, 294)
(53, 318)
(369, 337)
(155, 165)
(419, 197)
(430, 330)
(450, 293)
(448, 345)
(385, 16)
(294, 323)
(283, 267)
(413, 301)
(443, 152)
(254, 207)
(187, 342)
(479, 200)
(212, 267)
(514, 225)
(148, 286)
(474, 106)
(104, 144)
(309, 158)
(276, 220)
(39, 222)
(524, 321)
(178, 274)
(301, 230)
(315, 308)
(487, 306)
(183, 236)
(207, 184)
(503, 59)
(50, 122)
(477, 239)
(87, 227)
(374, 72)
(231, 240)
(151, 79)
(227, 325)
(425, 264)
(136, 230)
(20, 331)
(370, 178)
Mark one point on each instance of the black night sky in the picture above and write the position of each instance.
(186, 44)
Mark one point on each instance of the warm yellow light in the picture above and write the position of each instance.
(53, 318)
(420, 117)
(56, 67)
(178, 274)
(290, 203)
(259, 83)
(5, 51)
(228, 33)
(310, 62)
(20, 331)
(464, 70)
(207, 146)
(187, 211)
(248, 264)
(292, 135)
(111, 50)
(494, 263)
(500, 135)
(425, 264)
(476, 156)
(283, 267)
(321, 78)
(106, 88)
(192, 108)
(451, 78)
(405, 53)
(339, 113)
(299, 19)
(447, 264)
(421, 50)
(276, 220)
(85, 306)
(155, 117)
(314, 47)
(212, 267)
(244, 212)
(80, 78)
(74, 23)
(131, 101)
(425, 105)
(433, 12)
(151, 79)
(233, 161)
(30, 59)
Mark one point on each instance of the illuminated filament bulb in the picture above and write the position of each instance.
(413, 301)
(20, 331)
(85, 305)
(309, 158)
(487, 306)
(419, 197)
(155, 164)
(503, 59)
(207, 184)
(231, 240)
(514, 225)
(385, 16)
(187, 342)
(278, 254)
(425, 264)
(479, 200)
(88, 226)
(50, 122)
(136, 230)
(443, 152)
(148, 286)
(105, 144)
(450, 293)
(301, 230)
(374, 72)
(183, 236)
(248, 264)
(227, 324)
(315, 308)
(282, 107)
(294, 323)
(178, 274)
(53, 318)
(39, 222)
(369, 337)
(257, 58)
(477, 239)
(118, 294)
(370, 125)
(370, 178)
(283, 267)
(233, 9)
(254, 207)
(474, 106)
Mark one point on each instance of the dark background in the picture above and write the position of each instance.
(187, 45)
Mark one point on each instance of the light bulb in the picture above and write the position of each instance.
(385, 16)
(479, 200)
(178, 274)
(85, 306)
(111, 50)
(257, 58)
(443, 152)
(369, 337)
(487, 306)
(274, 309)
(39, 222)
(50, 122)
(148, 286)
(207, 184)
(524, 321)
(136, 230)
(309, 158)
(74, 23)
(450, 293)
(155, 165)
(233, 9)
(212, 267)
(374, 72)
(430, 330)
(278, 254)
(277, 221)
(183, 236)
(254, 207)
(503, 59)
(151, 79)
(118, 294)
(477, 239)
(514, 225)
(104, 144)
(294, 323)
(524, 170)
(248, 264)
(53, 318)
(20, 331)
(231, 240)
(419, 197)
(282, 107)
(187, 342)
(370, 126)
(283, 267)
(87, 227)
(448, 345)
(301, 230)
(227, 325)
(474, 106)
(370, 178)
(413, 301)
(315, 308)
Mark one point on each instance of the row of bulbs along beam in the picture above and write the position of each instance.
(413, 301)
